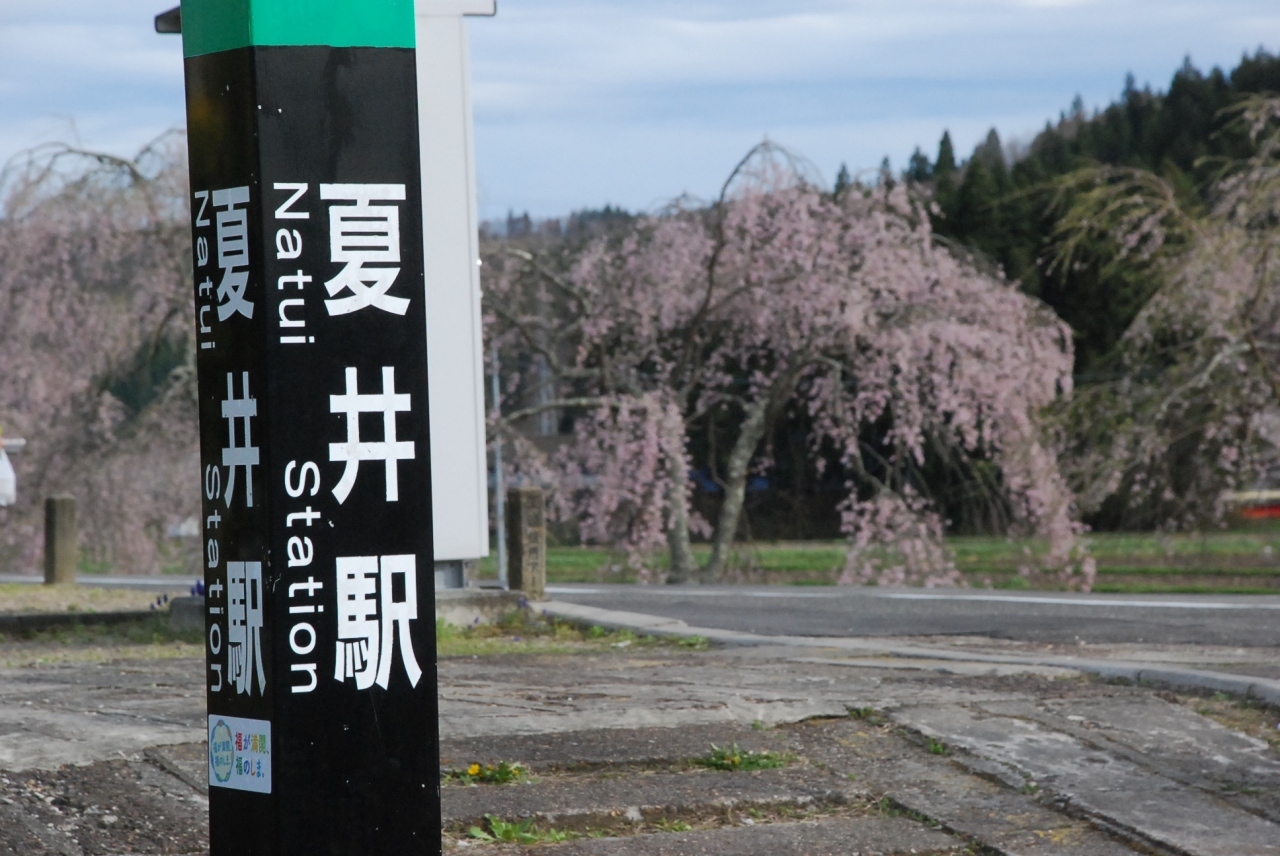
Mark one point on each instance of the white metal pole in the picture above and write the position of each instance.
(455, 350)
(499, 482)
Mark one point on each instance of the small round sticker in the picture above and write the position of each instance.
(221, 752)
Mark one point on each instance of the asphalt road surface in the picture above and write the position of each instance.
(1031, 617)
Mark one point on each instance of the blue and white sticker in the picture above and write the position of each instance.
(240, 753)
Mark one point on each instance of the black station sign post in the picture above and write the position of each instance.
(307, 241)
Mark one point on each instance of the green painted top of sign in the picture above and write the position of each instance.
(210, 26)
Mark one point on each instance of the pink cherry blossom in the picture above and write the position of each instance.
(94, 280)
(780, 295)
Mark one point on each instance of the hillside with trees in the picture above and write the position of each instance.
(1081, 331)
(1121, 221)
(1001, 201)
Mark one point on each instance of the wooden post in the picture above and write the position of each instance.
(61, 541)
(527, 542)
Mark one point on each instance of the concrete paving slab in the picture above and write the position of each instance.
(1112, 790)
(602, 802)
(1158, 732)
(81, 713)
(614, 747)
(532, 695)
(537, 709)
(856, 836)
(188, 762)
(592, 693)
(976, 804)
(1168, 740)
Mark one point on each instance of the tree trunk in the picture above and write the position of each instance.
(735, 486)
(682, 563)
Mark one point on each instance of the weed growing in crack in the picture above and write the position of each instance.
(735, 758)
(502, 773)
(889, 807)
(869, 715)
(520, 832)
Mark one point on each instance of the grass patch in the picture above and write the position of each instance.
(1244, 790)
(981, 559)
(733, 758)
(26, 598)
(1155, 588)
(1014, 583)
(524, 632)
(148, 639)
(520, 632)
(1169, 570)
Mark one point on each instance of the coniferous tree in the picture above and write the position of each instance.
(944, 177)
(843, 180)
(946, 155)
(918, 168)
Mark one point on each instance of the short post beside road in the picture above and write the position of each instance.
(312, 361)
(61, 540)
(527, 541)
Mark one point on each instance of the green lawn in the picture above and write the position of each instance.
(1240, 562)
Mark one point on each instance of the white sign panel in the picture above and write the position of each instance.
(240, 754)
(459, 475)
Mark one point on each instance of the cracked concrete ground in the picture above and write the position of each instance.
(983, 758)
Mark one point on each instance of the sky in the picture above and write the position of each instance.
(582, 103)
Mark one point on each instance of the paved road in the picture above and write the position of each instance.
(1248, 621)
(1031, 617)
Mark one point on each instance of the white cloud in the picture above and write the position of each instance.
(1055, 4)
(558, 56)
(841, 80)
(580, 102)
(92, 73)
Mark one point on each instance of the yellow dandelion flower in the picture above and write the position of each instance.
(473, 770)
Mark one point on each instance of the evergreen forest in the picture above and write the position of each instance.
(1000, 202)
